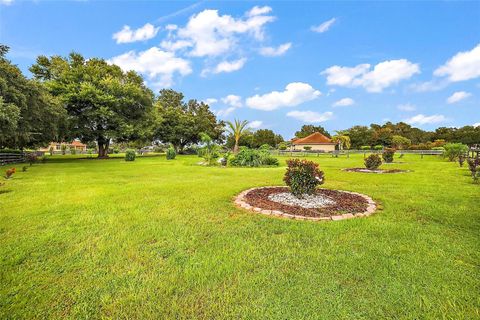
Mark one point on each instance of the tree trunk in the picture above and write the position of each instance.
(235, 148)
(103, 145)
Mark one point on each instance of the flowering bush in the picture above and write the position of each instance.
(303, 177)
(373, 161)
(9, 173)
(474, 166)
(130, 155)
(388, 154)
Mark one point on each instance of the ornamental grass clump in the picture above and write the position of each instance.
(170, 153)
(388, 154)
(130, 155)
(303, 177)
(373, 161)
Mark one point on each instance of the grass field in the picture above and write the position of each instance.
(162, 239)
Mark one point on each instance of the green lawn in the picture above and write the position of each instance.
(162, 239)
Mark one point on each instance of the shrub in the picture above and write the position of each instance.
(224, 160)
(438, 148)
(373, 161)
(64, 148)
(247, 157)
(461, 160)
(24, 169)
(307, 148)
(365, 148)
(302, 177)
(31, 158)
(73, 150)
(474, 166)
(210, 151)
(9, 173)
(51, 151)
(388, 154)
(454, 150)
(378, 147)
(130, 155)
(171, 154)
(116, 150)
(282, 146)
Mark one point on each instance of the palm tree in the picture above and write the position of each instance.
(342, 140)
(237, 129)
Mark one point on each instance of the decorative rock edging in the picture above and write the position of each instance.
(239, 202)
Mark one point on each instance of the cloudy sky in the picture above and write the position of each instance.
(276, 64)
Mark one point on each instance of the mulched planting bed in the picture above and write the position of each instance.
(336, 205)
(365, 170)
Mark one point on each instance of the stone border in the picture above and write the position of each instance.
(239, 202)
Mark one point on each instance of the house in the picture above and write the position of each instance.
(57, 146)
(316, 142)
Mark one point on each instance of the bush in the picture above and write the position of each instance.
(474, 166)
(31, 158)
(303, 177)
(116, 150)
(63, 147)
(388, 154)
(378, 147)
(11, 151)
(9, 173)
(439, 148)
(461, 160)
(210, 152)
(307, 148)
(454, 150)
(73, 150)
(51, 150)
(24, 169)
(171, 154)
(282, 146)
(247, 157)
(373, 161)
(365, 148)
(130, 155)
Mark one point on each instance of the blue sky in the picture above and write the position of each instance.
(277, 64)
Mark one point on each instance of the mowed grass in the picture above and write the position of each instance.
(155, 239)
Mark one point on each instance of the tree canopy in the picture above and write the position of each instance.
(308, 129)
(103, 103)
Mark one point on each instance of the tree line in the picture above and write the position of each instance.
(99, 103)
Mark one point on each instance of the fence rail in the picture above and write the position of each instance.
(7, 158)
(348, 152)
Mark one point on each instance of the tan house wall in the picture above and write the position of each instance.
(315, 147)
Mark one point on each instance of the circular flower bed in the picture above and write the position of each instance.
(365, 170)
(325, 204)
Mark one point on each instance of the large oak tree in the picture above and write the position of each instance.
(103, 102)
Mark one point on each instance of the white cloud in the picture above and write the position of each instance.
(383, 75)
(462, 66)
(255, 124)
(210, 101)
(225, 112)
(310, 116)
(476, 124)
(458, 96)
(127, 35)
(210, 34)
(406, 107)
(233, 100)
(344, 102)
(294, 94)
(323, 26)
(423, 119)
(256, 11)
(275, 52)
(225, 66)
(6, 2)
(429, 86)
(158, 65)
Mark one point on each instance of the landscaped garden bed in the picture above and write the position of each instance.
(365, 170)
(324, 204)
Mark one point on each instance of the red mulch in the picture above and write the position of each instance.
(344, 202)
(365, 170)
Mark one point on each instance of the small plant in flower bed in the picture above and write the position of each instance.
(474, 166)
(373, 161)
(388, 154)
(24, 169)
(378, 147)
(170, 153)
(31, 158)
(303, 177)
(9, 173)
(130, 155)
(247, 157)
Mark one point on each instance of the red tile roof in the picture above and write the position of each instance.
(314, 138)
(77, 143)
